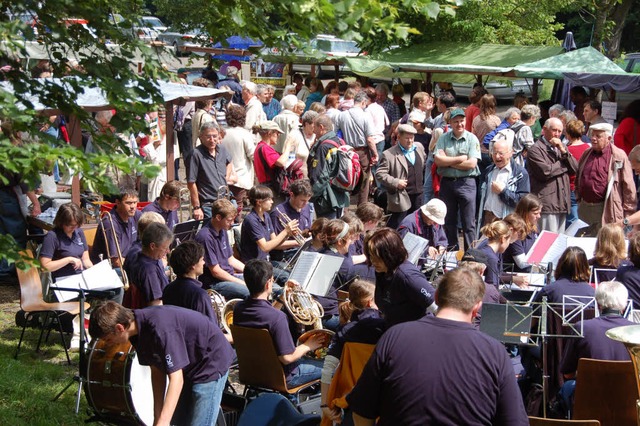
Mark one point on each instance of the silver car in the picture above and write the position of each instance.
(148, 28)
(179, 40)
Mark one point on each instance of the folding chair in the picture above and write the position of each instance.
(539, 421)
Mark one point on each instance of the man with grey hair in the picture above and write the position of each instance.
(555, 110)
(253, 106)
(210, 168)
(328, 200)
(605, 190)
(523, 139)
(270, 106)
(232, 83)
(549, 165)
(611, 297)
(506, 182)
(357, 130)
(288, 120)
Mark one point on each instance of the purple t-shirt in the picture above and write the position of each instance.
(217, 251)
(174, 338)
(494, 264)
(126, 232)
(303, 217)
(170, 216)
(629, 275)
(147, 275)
(58, 245)
(595, 344)
(564, 287)
(517, 248)
(403, 295)
(253, 229)
(258, 313)
(434, 233)
(426, 381)
(188, 293)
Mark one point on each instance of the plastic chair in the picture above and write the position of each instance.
(32, 303)
(607, 391)
(274, 410)
(539, 421)
(258, 362)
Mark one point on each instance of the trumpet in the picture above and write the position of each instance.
(284, 221)
(125, 279)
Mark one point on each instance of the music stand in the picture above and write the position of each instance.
(185, 231)
(82, 368)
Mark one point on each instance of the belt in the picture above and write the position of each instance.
(453, 179)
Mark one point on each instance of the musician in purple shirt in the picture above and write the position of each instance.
(397, 384)
(64, 249)
(167, 204)
(147, 277)
(223, 272)
(174, 342)
(124, 217)
(296, 207)
(427, 223)
(572, 277)
(402, 291)
(629, 275)
(612, 301)
(187, 262)
(257, 312)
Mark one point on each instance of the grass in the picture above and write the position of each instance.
(28, 384)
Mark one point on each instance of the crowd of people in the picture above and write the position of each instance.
(461, 178)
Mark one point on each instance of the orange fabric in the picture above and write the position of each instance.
(354, 358)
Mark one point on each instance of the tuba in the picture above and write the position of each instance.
(227, 314)
(629, 335)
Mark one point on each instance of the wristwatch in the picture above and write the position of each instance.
(196, 207)
(625, 221)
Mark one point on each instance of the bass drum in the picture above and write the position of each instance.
(118, 388)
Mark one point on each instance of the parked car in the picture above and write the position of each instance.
(502, 91)
(181, 39)
(330, 46)
(148, 28)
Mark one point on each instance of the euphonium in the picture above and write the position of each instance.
(227, 314)
(629, 335)
(217, 303)
(125, 279)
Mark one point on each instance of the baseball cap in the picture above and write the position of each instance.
(475, 255)
(436, 210)
(457, 113)
(270, 125)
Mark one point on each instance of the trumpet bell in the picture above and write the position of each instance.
(227, 314)
(217, 303)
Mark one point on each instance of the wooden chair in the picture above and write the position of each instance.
(32, 303)
(90, 235)
(539, 421)
(258, 363)
(607, 391)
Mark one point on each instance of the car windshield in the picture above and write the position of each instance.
(152, 22)
(343, 46)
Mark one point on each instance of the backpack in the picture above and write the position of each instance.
(349, 170)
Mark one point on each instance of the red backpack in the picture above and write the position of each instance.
(349, 170)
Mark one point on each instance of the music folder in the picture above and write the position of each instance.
(415, 245)
(549, 246)
(315, 272)
(506, 322)
(184, 231)
(99, 277)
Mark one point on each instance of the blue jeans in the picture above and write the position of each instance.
(427, 187)
(573, 213)
(567, 391)
(199, 403)
(308, 371)
(231, 290)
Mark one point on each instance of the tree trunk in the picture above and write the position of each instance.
(619, 15)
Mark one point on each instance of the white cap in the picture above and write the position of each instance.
(436, 210)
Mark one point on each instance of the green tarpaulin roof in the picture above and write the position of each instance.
(585, 60)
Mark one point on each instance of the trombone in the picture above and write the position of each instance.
(284, 221)
(125, 279)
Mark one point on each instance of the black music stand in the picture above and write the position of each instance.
(80, 377)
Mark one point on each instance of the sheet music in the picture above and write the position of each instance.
(101, 277)
(537, 280)
(575, 227)
(71, 281)
(549, 247)
(306, 264)
(415, 246)
(324, 274)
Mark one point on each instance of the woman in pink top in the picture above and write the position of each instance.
(628, 133)
(576, 146)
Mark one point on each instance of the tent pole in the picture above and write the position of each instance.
(337, 72)
(534, 91)
(428, 81)
(168, 107)
(75, 136)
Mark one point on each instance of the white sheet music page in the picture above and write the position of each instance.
(101, 277)
(415, 245)
(71, 281)
(305, 266)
